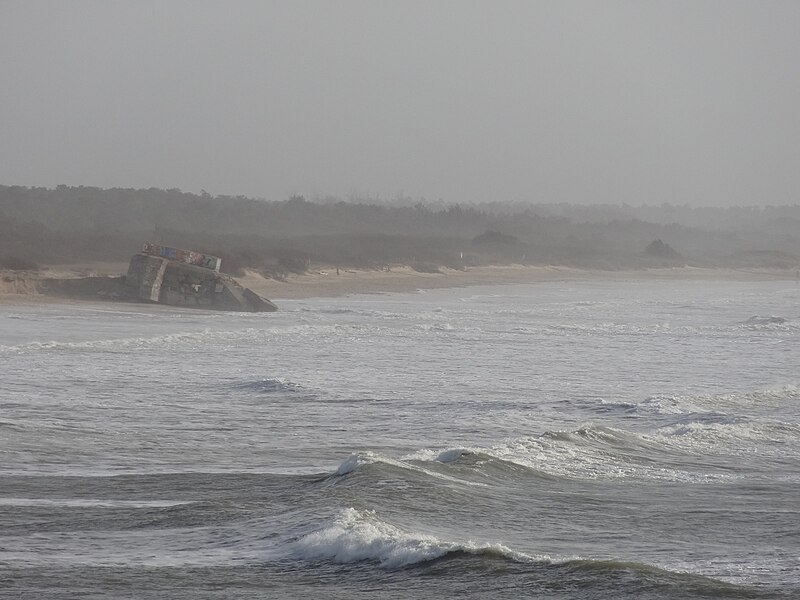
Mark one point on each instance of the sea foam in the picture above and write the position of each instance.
(590, 452)
(360, 535)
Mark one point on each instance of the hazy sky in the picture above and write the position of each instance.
(612, 101)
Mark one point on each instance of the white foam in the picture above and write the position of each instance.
(669, 405)
(771, 323)
(361, 536)
(588, 453)
(736, 439)
(776, 397)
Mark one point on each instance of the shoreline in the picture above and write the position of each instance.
(324, 282)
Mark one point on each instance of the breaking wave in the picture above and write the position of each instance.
(771, 439)
(357, 536)
(742, 403)
(591, 452)
(359, 460)
(668, 453)
(604, 453)
(360, 536)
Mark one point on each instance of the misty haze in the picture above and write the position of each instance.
(363, 300)
(66, 225)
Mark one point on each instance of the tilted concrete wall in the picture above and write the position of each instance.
(146, 276)
(156, 279)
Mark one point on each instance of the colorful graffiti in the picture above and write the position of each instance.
(184, 256)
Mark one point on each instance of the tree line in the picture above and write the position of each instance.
(73, 224)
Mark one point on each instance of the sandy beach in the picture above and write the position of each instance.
(327, 283)
(21, 287)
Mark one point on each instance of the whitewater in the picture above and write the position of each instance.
(581, 439)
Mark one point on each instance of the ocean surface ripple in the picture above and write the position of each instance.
(625, 439)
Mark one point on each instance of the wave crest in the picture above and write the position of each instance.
(360, 536)
(590, 452)
(358, 460)
(666, 404)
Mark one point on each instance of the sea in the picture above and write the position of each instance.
(581, 439)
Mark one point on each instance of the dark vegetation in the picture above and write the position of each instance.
(75, 224)
(661, 250)
(15, 263)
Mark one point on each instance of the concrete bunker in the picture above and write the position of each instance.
(176, 277)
